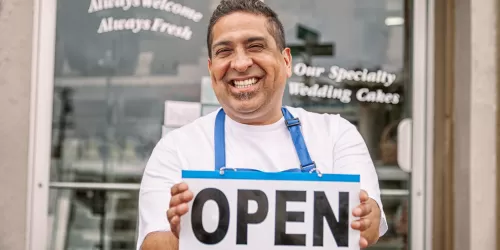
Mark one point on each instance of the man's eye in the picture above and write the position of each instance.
(222, 51)
(256, 46)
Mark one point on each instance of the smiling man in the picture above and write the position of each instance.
(249, 65)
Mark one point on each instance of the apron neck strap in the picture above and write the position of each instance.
(220, 140)
(293, 125)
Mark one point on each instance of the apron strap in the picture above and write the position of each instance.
(294, 126)
(220, 140)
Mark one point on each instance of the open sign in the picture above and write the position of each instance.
(255, 210)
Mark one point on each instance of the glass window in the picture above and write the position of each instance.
(124, 72)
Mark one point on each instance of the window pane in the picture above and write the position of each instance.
(92, 219)
(112, 82)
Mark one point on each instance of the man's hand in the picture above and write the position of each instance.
(368, 224)
(178, 206)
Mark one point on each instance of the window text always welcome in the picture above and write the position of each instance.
(165, 5)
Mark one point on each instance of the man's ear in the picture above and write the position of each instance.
(287, 57)
(209, 66)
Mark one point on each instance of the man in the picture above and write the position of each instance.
(249, 66)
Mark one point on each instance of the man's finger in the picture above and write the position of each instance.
(362, 210)
(182, 209)
(177, 211)
(363, 196)
(178, 188)
(363, 243)
(175, 200)
(183, 197)
(171, 213)
(361, 224)
(175, 221)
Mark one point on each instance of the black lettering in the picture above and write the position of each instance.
(340, 227)
(196, 216)
(282, 216)
(244, 218)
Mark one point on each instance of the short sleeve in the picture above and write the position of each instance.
(351, 156)
(162, 171)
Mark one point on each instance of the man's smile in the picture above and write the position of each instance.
(245, 85)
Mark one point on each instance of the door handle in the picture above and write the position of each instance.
(405, 144)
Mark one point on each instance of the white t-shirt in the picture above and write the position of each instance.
(335, 145)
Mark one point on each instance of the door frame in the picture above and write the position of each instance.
(39, 152)
(422, 78)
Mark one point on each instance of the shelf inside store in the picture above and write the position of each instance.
(120, 223)
(391, 173)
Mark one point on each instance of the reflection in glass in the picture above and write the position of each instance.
(397, 217)
(92, 219)
(116, 83)
(349, 62)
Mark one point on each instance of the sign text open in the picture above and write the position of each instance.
(254, 210)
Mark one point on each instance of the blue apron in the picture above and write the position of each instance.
(293, 124)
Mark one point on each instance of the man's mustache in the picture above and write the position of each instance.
(232, 74)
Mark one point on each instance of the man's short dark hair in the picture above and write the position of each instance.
(257, 7)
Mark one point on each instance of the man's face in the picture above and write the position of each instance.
(247, 68)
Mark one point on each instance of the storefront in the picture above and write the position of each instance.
(127, 72)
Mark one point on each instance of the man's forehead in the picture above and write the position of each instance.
(237, 29)
(240, 37)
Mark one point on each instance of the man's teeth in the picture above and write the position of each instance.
(245, 83)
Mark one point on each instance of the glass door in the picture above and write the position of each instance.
(119, 78)
(116, 66)
(353, 58)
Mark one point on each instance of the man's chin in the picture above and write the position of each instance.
(245, 106)
(246, 96)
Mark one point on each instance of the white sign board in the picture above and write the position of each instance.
(256, 210)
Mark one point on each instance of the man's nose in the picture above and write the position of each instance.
(241, 62)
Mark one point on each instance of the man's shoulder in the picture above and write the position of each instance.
(317, 119)
(323, 126)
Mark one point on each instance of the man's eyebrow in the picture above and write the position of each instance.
(256, 39)
(222, 43)
(249, 40)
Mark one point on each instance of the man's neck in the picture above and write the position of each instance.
(267, 118)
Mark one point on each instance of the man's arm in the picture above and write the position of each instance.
(160, 241)
(162, 171)
(351, 156)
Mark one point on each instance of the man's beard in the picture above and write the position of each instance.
(245, 96)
